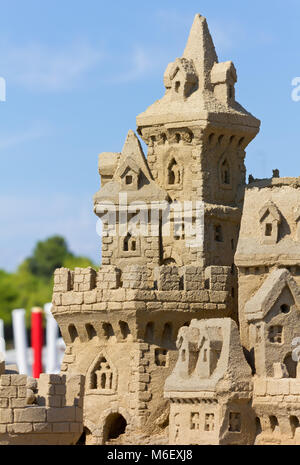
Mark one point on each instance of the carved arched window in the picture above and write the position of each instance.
(174, 173)
(101, 376)
(149, 331)
(131, 245)
(294, 422)
(124, 328)
(91, 332)
(72, 332)
(167, 333)
(225, 173)
(273, 422)
(108, 330)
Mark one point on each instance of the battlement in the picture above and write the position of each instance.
(37, 410)
(113, 289)
(166, 278)
(104, 309)
(218, 278)
(136, 277)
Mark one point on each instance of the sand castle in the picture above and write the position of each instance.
(185, 335)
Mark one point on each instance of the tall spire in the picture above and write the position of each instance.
(196, 84)
(200, 46)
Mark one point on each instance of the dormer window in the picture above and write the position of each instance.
(129, 174)
(180, 78)
(130, 179)
(270, 218)
(223, 78)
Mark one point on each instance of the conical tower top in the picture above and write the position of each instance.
(200, 46)
(198, 88)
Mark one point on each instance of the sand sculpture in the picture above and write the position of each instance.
(181, 336)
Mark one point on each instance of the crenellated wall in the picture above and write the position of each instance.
(276, 402)
(44, 411)
(128, 321)
(86, 291)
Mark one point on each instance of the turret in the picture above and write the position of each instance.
(196, 136)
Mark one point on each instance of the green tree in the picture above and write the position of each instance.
(47, 256)
(32, 284)
(72, 262)
(8, 296)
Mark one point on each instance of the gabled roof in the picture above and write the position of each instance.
(273, 210)
(132, 157)
(221, 72)
(187, 68)
(261, 303)
(132, 149)
(128, 163)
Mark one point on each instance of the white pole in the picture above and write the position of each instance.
(2, 340)
(20, 340)
(51, 340)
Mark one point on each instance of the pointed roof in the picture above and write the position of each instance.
(272, 209)
(201, 104)
(200, 47)
(132, 156)
(261, 303)
(132, 149)
(127, 163)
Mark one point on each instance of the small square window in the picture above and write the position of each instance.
(268, 230)
(275, 334)
(209, 422)
(195, 420)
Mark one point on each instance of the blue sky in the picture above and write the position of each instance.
(77, 74)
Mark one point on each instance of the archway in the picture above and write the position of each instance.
(114, 426)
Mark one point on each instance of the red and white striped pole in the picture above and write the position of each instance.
(37, 340)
